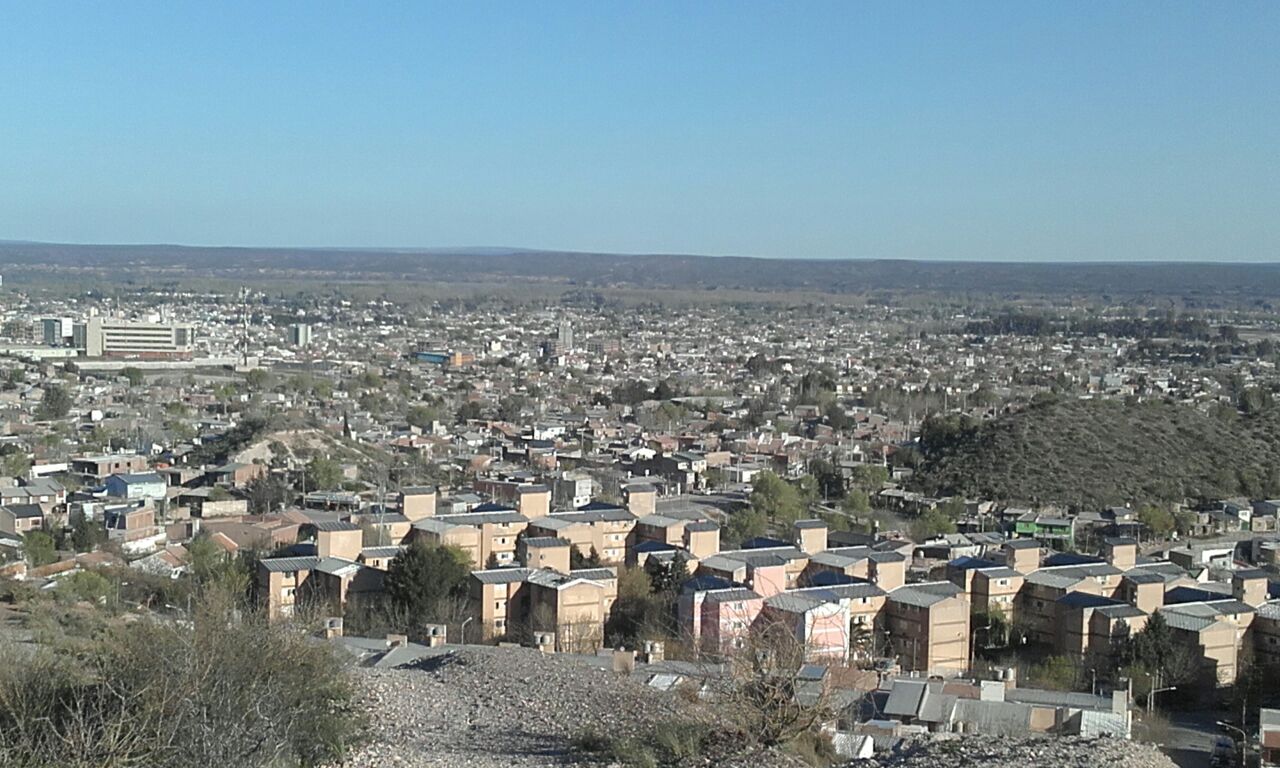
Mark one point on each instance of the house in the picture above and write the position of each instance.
(98, 467)
(18, 519)
(46, 492)
(134, 527)
(235, 474)
(145, 485)
(278, 580)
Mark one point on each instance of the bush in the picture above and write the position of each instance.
(220, 690)
(814, 748)
(84, 585)
(680, 740)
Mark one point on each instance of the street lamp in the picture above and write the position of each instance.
(1244, 738)
(1155, 688)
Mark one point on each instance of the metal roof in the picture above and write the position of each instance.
(283, 564)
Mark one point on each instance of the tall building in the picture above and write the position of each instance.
(300, 335)
(108, 337)
(56, 331)
(565, 340)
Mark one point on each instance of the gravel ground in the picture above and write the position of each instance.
(493, 707)
(485, 707)
(994, 752)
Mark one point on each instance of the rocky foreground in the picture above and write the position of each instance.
(1037, 752)
(498, 707)
(493, 707)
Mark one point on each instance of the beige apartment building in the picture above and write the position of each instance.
(928, 627)
(571, 607)
(605, 528)
(488, 534)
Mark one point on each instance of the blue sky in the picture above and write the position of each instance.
(967, 130)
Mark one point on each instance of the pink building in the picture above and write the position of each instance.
(717, 619)
(821, 626)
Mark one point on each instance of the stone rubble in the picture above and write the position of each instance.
(486, 707)
(492, 707)
(1034, 752)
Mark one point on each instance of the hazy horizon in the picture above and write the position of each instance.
(1000, 132)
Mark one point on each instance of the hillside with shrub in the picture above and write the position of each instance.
(1091, 453)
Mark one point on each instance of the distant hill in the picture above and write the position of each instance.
(603, 270)
(1101, 452)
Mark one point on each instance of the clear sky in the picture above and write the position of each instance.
(968, 130)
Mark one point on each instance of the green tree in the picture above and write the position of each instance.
(469, 411)
(578, 561)
(257, 379)
(1159, 520)
(423, 576)
(55, 403)
(84, 585)
(830, 481)
(667, 577)
(267, 493)
(870, 477)
(640, 612)
(208, 563)
(1156, 652)
(86, 535)
(133, 374)
(421, 416)
(857, 502)
(322, 389)
(930, 523)
(39, 548)
(1058, 673)
(776, 499)
(745, 524)
(14, 462)
(323, 474)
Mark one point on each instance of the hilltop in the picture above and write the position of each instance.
(601, 271)
(486, 707)
(1101, 452)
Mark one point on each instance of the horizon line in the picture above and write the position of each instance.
(494, 250)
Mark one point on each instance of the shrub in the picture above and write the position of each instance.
(219, 690)
(680, 740)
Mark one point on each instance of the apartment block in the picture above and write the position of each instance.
(928, 627)
(572, 607)
(605, 528)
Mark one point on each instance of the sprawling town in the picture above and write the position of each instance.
(653, 491)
